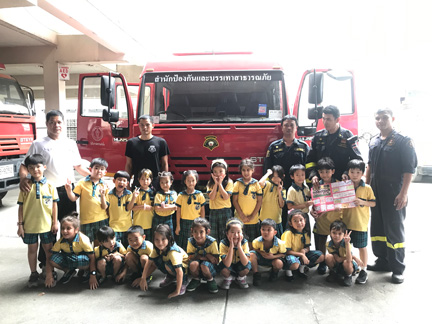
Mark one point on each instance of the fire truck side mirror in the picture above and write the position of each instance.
(306, 130)
(315, 113)
(316, 86)
(107, 89)
(110, 116)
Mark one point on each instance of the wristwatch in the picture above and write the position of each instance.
(20, 223)
(93, 273)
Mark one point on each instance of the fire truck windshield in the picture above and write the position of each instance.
(218, 96)
(12, 99)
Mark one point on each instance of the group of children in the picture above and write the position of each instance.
(142, 221)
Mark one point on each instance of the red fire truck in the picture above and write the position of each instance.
(207, 107)
(18, 130)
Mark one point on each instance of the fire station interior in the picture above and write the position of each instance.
(37, 38)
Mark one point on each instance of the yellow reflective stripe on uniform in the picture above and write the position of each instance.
(310, 165)
(384, 239)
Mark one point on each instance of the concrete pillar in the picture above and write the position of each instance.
(54, 89)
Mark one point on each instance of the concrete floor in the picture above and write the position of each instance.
(308, 301)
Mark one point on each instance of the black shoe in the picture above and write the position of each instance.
(332, 276)
(303, 275)
(257, 279)
(397, 278)
(347, 281)
(273, 275)
(380, 265)
(362, 277)
(67, 276)
(322, 268)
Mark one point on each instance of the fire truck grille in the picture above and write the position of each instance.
(9, 145)
(202, 165)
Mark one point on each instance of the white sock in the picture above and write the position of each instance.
(241, 278)
(301, 268)
(229, 278)
(288, 273)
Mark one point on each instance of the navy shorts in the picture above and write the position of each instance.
(161, 265)
(45, 238)
(91, 229)
(213, 268)
(339, 269)
(235, 268)
(263, 261)
(70, 260)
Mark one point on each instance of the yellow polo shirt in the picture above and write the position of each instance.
(333, 249)
(101, 251)
(219, 202)
(146, 248)
(144, 218)
(190, 204)
(176, 255)
(80, 245)
(169, 198)
(298, 195)
(90, 201)
(296, 241)
(210, 246)
(37, 206)
(247, 197)
(357, 218)
(270, 203)
(277, 247)
(120, 219)
(224, 249)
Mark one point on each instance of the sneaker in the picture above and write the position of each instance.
(42, 275)
(256, 279)
(85, 277)
(241, 281)
(289, 275)
(212, 286)
(193, 285)
(322, 268)
(67, 276)
(362, 277)
(183, 288)
(149, 278)
(302, 275)
(226, 283)
(33, 279)
(332, 276)
(167, 281)
(273, 275)
(397, 278)
(101, 280)
(347, 281)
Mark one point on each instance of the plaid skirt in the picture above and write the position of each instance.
(163, 220)
(185, 233)
(251, 231)
(218, 219)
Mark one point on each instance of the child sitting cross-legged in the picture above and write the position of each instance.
(268, 250)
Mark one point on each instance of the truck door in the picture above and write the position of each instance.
(96, 138)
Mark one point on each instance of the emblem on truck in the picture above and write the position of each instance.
(211, 142)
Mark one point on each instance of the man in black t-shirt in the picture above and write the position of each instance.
(146, 151)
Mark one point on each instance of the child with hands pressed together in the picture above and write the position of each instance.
(138, 253)
(203, 253)
(268, 250)
(340, 260)
(357, 218)
(273, 196)
(110, 255)
(190, 205)
(170, 259)
(247, 199)
(297, 241)
(234, 254)
(74, 251)
(219, 190)
(37, 218)
(92, 192)
(164, 201)
(120, 204)
(143, 199)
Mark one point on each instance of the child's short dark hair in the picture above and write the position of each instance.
(295, 168)
(98, 161)
(34, 159)
(165, 231)
(278, 170)
(135, 229)
(325, 163)
(294, 212)
(201, 222)
(356, 164)
(269, 222)
(338, 226)
(246, 162)
(105, 233)
(72, 218)
(147, 172)
(122, 174)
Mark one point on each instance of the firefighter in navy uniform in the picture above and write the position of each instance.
(392, 162)
(334, 142)
(286, 151)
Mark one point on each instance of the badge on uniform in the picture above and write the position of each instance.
(391, 142)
